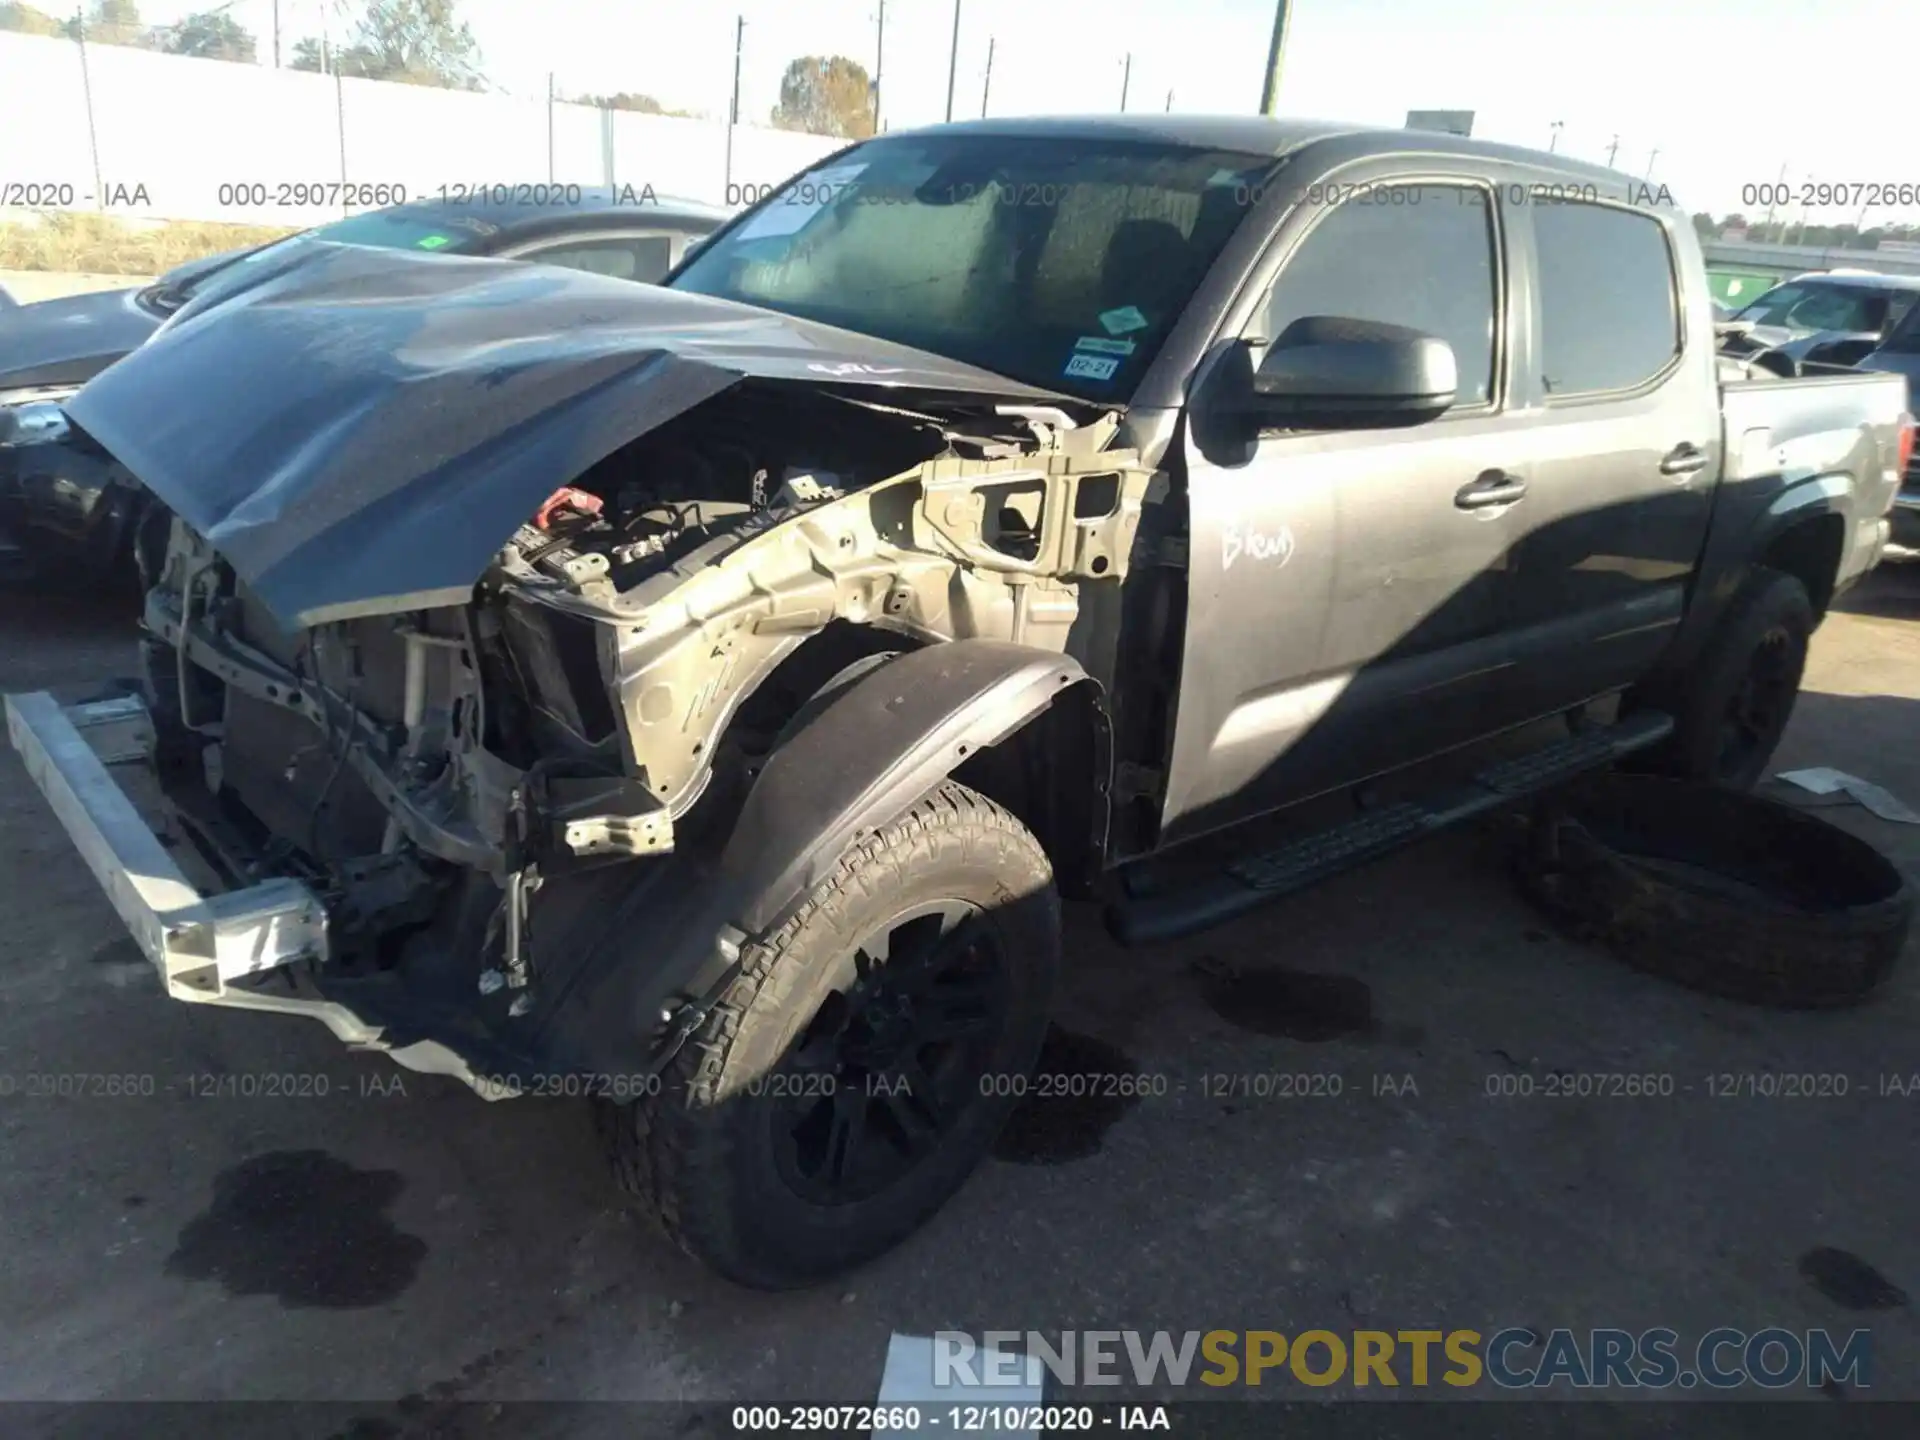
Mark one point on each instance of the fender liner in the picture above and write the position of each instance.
(1738, 534)
(883, 743)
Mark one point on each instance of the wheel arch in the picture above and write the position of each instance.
(1800, 531)
(1808, 547)
(993, 714)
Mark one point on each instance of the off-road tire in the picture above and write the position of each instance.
(1771, 608)
(697, 1156)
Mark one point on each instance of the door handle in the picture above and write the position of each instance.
(1684, 460)
(1490, 487)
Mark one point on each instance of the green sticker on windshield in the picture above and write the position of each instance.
(433, 242)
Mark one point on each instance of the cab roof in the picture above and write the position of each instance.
(1261, 135)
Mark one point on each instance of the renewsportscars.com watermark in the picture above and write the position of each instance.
(1515, 1358)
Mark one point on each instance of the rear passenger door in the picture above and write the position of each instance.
(1620, 410)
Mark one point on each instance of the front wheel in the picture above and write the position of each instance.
(1732, 708)
(862, 1062)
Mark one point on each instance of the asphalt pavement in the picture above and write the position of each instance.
(348, 1232)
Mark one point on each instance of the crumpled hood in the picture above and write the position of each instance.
(361, 430)
(69, 340)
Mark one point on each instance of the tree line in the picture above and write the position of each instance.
(211, 34)
(419, 42)
(424, 42)
(1789, 232)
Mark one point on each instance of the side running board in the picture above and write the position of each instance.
(1253, 880)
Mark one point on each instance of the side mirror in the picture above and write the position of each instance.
(1330, 373)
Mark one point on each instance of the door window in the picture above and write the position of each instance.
(1415, 255)
(1609, 319)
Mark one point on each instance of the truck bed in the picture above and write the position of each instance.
(1840, 431)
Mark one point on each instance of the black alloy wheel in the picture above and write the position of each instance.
(1760, 705)
(891, 1059)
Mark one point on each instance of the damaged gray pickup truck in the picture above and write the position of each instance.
(698, 698)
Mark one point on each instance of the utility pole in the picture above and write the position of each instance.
(340, 126)
(1553, 143)
(953, 58)
(986, 86)
(879, 59)
(1655, 155)
(733, 110)
(1276, 52)
(1800, 226)
(1766, 227)
(86, 92)
(1612, 150)
(1126, 81)
(276, 34)
(1169, 102)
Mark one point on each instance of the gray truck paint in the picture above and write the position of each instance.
(1305, 659)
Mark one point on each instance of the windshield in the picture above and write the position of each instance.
(394, 229)
(1828, 307)
(1060, 262)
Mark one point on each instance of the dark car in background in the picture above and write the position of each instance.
(66, 510)
(1833, 317)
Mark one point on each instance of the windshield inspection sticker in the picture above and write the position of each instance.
(433, 242)
(1103, 346)
(1091, 367)
(1119, 322)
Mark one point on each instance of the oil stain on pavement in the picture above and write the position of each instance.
(1287, 1004)
(1078, 1090)
(1847, 1280)
(305, 1228)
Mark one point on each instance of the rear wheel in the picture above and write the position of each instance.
(863, 1061)
(1732, 708)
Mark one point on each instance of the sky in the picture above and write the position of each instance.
(1669, 87)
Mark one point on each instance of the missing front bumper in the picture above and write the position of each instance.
(204, 946)
(199, 943)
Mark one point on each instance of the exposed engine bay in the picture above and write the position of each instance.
(458, 782)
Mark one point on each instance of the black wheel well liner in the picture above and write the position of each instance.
(884, 742)
(1052, 773)
(1809, 550)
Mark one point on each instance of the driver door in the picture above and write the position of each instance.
(1346, 589)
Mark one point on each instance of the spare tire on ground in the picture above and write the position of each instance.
(1721, 891)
